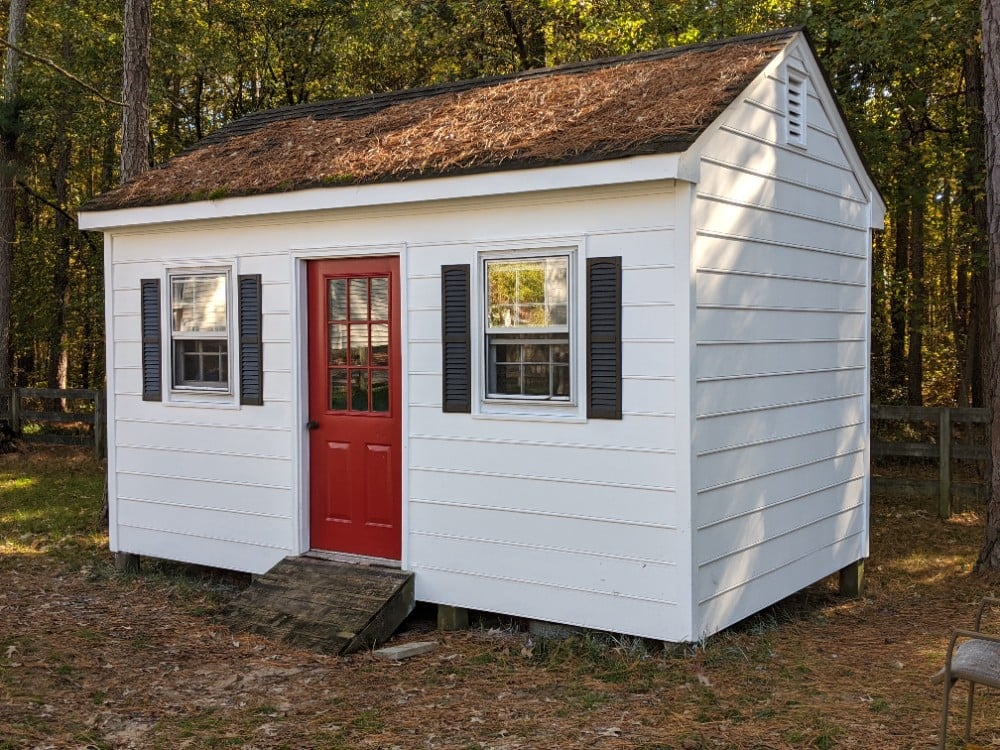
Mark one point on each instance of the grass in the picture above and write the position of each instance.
(50, 504)
(93, 658)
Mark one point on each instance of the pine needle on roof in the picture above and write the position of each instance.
(622, 109)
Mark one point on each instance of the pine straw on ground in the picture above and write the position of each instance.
(599, 113)
(91, 659)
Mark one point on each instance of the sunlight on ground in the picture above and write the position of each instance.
(15, 547)
(17, 483)
(931, 569)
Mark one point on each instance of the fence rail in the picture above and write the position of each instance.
(21, 414)
(945, 451)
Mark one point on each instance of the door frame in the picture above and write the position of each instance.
(299, 372)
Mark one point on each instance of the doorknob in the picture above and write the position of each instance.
(312, 424)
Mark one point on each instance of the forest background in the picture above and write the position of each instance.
(908, 74)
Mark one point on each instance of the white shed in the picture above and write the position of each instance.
(586, 345)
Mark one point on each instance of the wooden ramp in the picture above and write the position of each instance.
(322, 605)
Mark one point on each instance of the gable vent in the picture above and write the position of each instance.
(796, 109)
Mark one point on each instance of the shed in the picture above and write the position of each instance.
(586, 344)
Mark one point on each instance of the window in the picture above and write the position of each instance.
(528, 328)
(199, 330)
(797, 94)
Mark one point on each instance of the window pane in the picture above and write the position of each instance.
(506, 353)
(338, 298)
(531, 315)
(380, 299)
(508, 380)
(560, 380)
(536, 352)
(527, 293)
(380, 345)
(359, 345)
(338, 344)
(529, 365)
(380, 390)
(536, 380)
(556, 275)
(201, 362)
(338, 389)
(359, 299)
(359, 390)
(198, 303)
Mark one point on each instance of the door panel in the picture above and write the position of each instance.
(355, 404)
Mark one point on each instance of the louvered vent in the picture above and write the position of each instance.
(796, 110)
(251, 340)
(152, 349)
(456, 340)
(604, 338)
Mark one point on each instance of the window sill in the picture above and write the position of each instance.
(202, 399)
(526, 411)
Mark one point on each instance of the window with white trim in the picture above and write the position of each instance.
(199, 330)
(527, 325)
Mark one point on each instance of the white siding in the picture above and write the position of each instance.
(561, 519)
(574, 521)
(780, 365)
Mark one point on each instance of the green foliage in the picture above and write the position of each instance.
(900, 69)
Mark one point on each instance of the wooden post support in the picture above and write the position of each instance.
(452, 618)
(126, 562)
(944, 458)
(99, 424)
(852, 580)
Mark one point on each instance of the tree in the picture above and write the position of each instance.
(10, 126)
(135, 88)
(989, 557)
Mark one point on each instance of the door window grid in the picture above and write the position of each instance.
(358, 343)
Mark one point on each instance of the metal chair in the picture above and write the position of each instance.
(974, 656)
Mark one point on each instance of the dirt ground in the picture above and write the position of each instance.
(93, 659)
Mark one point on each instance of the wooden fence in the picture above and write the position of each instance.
(34, 406)
(944, 451)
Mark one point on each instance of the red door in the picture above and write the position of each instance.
(354, 406)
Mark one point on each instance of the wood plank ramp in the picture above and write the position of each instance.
(323, 605)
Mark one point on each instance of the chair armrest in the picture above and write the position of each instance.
(982, 607)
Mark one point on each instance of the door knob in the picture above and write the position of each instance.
(312, 424)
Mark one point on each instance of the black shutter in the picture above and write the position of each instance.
(456, 340)
(152, 345)
(604, 338)
(251, 341)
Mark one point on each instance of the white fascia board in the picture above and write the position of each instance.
(616, 171)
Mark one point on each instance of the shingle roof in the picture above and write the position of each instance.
(653, 102)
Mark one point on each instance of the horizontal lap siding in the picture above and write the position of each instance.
(780, 364)
(577, 522)
(204, 484)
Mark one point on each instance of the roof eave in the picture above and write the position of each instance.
(646, 168)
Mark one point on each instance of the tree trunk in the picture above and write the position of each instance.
(989, 557)
(975, 312)
(135, 89)
(897, 296)
(56, 366)
(8, 202)
(915, 324)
